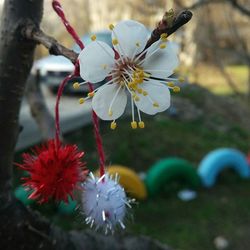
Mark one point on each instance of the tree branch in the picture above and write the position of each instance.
(199, 3)
(240, 7)
(38, 107)
(164, 26)
(32, 32)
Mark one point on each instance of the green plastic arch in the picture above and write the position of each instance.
(166, 170)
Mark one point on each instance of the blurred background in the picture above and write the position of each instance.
(212, 111)
(214, 45)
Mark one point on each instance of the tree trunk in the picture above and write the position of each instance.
(21, 228)
(16, 57)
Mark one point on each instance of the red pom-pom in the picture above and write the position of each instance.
(55, 170)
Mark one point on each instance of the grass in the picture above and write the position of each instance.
(163, 137)
(194, 225)
(211, 78)
(223, 210)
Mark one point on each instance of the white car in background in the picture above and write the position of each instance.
(51, 70)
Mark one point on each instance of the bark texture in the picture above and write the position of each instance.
(16, 57)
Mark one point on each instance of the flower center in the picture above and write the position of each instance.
(128, 73)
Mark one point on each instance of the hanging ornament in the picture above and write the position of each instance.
(54, 169)
(129, 68)
(104, 202)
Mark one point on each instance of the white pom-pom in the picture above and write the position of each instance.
(104, 202)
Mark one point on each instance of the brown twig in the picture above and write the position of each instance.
(38, 106)
(164, 26)
(31, 32)
(199, 4)
(240, 7)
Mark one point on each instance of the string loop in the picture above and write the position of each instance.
(59, 10)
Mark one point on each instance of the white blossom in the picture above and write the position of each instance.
(131, 71)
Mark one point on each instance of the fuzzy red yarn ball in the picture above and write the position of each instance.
(55, 171)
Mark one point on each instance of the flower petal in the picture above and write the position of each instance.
(103, 98)
(157, 93)
(96, 61)
(163, 62)
(132, 37)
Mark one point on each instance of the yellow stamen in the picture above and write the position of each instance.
(170, 84)
(76, 85)
(163, 46)
(176, 89)
(134, 125)
(147, 74)
(115, 41)
(140, 91)
(137, 98)
(93, 37)
(131, 84)
(113, 125)
(111, 26)
(139, 80)
(134, 87)
(81, 100)
(110, 112)
(135, 80)
(145, 93)
(164, 39)
(141, 124)
(156, 104)
(137, 44)
(164, 35)
(181, 79)
(141, 74)
(91, 94)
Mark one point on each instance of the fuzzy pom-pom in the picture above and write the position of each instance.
(54, 171)
(104, 202)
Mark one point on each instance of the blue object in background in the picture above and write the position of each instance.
(220, 159)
